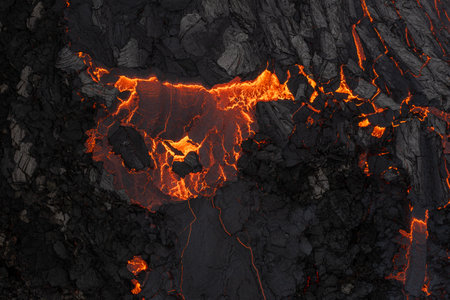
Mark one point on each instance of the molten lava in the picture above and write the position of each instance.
(137, 265)
(175, 119)
(137, 287)
(378, 131)
(364, 123)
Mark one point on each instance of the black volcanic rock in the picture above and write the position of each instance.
(318, 201)
(129, 143)
(190, 164)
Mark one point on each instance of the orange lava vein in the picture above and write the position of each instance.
(137, 287)
(345, 89)
(311, 82)
(433, 32)
(186, 245)
(417, 226)
(254, 266)
(359, 47)
(365, 10)
(245, 246)
(364, 123)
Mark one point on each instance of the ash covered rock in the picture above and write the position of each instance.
(319, 183)
(131, 56)
(212, 260)
(239, 56)
(275, 119)
(36, 14)
(25, 164)
(24, 87)
(129, 144)
(192, 34)
(214, 9)
(67, 60)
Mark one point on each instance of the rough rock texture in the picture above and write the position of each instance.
(323, 187)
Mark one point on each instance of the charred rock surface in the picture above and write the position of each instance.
(342, 192)
(190, 164)
(129, 144)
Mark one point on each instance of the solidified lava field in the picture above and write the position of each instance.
(225, 149)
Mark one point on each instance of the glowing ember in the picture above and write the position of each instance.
(137, 265)
(378, 131)
(175, 119)
(137, 287)
(364, 123)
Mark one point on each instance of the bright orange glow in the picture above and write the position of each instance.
(364, 123)
(137, 287)
(359, 47)
(240, 242)
(137, 265)
(175, 119)
(378, 131)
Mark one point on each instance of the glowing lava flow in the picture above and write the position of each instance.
(137, 287)
(135, 266)
(175, 119)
